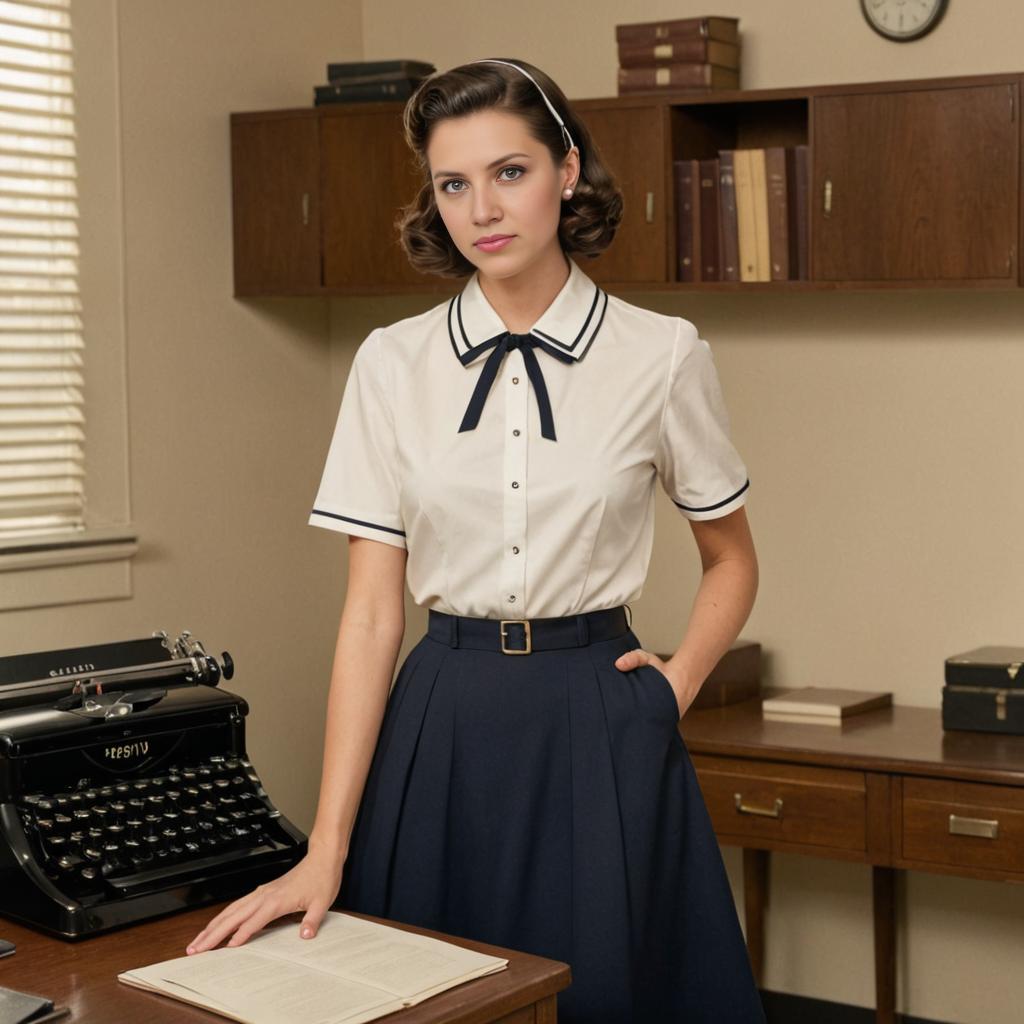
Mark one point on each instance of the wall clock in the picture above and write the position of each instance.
(903, 20)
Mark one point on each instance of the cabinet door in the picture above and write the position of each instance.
(275, 174)
(920, 185)
(369, 174)
(632, 143)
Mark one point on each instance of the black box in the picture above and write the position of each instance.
(984, 690)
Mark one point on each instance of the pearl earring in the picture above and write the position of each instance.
(567, 193)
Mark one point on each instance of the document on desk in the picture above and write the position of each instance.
(353, 971)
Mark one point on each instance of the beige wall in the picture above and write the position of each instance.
(881, 430)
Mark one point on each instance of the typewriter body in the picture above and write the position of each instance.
(125, 789)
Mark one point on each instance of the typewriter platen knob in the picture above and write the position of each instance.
(229, 665)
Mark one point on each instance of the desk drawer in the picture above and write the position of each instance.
(963, 824)
(788, 803)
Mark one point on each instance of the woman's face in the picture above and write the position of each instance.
(491, 177)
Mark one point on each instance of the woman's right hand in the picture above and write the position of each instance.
(311, 885)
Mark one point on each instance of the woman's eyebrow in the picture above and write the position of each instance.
(493, 163)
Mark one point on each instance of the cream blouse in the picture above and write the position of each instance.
(521, 482)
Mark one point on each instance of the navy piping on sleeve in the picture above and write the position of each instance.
(359, 522)
(718, 504)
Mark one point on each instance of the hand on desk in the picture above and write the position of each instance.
(311, 885)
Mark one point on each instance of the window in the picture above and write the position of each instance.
(41, 417)
(44, 485)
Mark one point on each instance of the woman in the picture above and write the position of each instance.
(525, 783)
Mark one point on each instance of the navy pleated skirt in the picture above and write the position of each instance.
(548, 803)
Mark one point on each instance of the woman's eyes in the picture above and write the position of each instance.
(511, 167)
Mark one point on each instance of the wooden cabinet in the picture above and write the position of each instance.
(633, 141)
(275, 175)
(917, 185)
(911, 184)
(315, 194)
(368, 175)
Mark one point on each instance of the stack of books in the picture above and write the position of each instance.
(373, 81)
(684, 54)
(742, 215)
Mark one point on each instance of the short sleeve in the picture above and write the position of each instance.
(696, 461)
(359, 490)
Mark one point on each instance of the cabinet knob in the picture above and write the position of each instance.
(650, 207)
(305, 209)
(828, 196)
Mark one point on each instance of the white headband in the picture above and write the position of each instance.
(565, 131)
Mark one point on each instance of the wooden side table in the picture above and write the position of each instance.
(889, 788)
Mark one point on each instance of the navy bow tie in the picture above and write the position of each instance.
(502, 344)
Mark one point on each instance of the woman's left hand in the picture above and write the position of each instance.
(638, 656)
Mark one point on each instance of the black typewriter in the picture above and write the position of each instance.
(125, 789)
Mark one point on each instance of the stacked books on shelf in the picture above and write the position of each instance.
(372, 81)
(742, 215)
(692, 54)
(822, 705)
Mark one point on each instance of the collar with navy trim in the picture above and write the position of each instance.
(565, 330)
(568, 325)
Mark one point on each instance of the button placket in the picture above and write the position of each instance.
(513, 576)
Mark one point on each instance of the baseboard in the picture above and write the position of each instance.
(782, 1008)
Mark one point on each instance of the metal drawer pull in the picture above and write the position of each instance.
(775, 812)
(961, 826)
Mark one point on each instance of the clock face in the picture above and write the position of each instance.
(903, 20)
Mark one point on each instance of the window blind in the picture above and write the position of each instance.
(42, 465)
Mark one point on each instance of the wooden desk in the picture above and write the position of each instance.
(888, 788)
(83, 975)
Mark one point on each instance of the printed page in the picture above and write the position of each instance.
(261, 989)
(400, 962)
(185, 995)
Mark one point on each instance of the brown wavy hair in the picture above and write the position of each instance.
(588, 221)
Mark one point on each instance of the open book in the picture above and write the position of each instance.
(354, 970)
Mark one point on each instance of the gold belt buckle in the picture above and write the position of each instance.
(525, 623)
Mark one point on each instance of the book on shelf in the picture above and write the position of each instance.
(746, 220)
(371, 81)
(676, 76)
(686, 177)
(822, 704)
(360, 71)
(352, 971)
(704, 27)
(364, 92)
(695, 50)
(708, 225)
